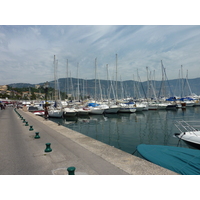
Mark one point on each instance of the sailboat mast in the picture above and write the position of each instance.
(95, 97)
(66, 81)
(116, 79)
(147, 82)
(182, 84)
(55, 79)
(78, 83)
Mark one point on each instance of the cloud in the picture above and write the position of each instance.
(27, 51)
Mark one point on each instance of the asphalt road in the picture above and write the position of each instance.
(21, 154)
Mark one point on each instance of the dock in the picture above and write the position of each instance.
(22, 154)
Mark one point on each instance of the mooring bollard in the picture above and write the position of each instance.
(31, 128)
(37, 135)
(26, 124)
(48, 148)
(71, 170)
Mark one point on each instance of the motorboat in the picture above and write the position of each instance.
(187, 132)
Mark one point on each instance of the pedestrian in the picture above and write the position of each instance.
(45, 111)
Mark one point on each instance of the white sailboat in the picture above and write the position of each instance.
(82, 111)
(56, 110)
(95, 108)
(69, 112)
(113, 108)
(127, 108)
(140, 106)
(96, 111)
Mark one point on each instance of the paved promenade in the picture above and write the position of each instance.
(21, 153)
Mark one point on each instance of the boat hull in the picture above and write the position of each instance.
(55, 113)
(96, 111)
(69, 114)
(127, 110)
(112, 110)
(192, 137)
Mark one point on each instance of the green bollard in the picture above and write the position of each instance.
(37, 135)
(24, 121)
(71, 170)
(26, 124)
(48, 148)
(31, 128)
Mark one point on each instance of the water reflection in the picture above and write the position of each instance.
(126, 131)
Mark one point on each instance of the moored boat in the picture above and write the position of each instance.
(178, 159)
(69, 112)
(113, 109)
(55, 112)
(187, 133)
(127, 108)
(36, 110)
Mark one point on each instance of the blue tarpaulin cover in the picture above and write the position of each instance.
(171, 99)
(180, 160)
(93, 104)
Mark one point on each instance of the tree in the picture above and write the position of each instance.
(33, 96)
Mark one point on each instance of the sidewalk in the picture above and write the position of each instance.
(20, 153)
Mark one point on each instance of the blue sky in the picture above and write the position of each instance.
(27, 50)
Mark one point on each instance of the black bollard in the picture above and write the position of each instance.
(71, 170)
(37, 135)
(26, 124)
(48, 148)
(31, 128)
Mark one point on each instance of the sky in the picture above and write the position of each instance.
(27, 51)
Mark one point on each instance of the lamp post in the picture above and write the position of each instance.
(45, 86)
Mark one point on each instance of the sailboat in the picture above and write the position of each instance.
(95, 108)
(113, 108)
(56, 110)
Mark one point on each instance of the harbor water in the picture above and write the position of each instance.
(126, 131)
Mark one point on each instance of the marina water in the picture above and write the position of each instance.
(126, 131)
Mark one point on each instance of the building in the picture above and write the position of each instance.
(3, 87)
(37, 86)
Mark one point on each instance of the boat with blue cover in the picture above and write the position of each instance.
(178, 159)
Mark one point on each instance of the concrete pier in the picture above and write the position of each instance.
(21, 153)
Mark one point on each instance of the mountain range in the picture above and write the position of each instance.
(129, 88)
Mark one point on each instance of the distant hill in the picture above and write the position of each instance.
(127, 88)
(21, 85)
